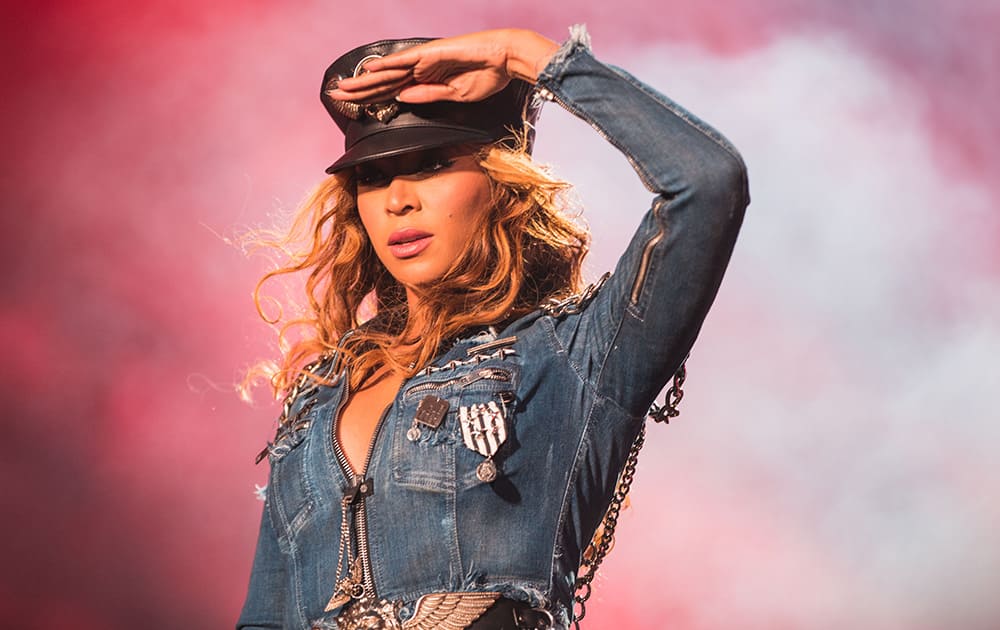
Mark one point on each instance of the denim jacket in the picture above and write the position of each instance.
(572, 389)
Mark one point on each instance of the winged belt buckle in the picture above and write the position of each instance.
(435, 611)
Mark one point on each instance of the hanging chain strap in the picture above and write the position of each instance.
(674, 395)
(594, 555)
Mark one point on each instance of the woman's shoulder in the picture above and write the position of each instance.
(314, 387)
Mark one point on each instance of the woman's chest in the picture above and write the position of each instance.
(482, 418)
(361, 415)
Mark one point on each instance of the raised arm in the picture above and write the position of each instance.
(636, 332)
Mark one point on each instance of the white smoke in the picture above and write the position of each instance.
(833, 464)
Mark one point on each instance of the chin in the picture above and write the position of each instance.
(417, 280)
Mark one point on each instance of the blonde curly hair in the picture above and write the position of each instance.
(530, 249)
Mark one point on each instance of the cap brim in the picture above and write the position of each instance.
(399, 140)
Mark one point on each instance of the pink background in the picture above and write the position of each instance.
(835, 462)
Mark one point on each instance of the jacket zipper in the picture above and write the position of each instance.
(647, 255)
(486, 373)
(360, 513)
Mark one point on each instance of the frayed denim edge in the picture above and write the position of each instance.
(578, 38)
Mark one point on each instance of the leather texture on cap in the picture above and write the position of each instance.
(409, 127)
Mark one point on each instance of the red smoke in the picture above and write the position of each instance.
(137, 134)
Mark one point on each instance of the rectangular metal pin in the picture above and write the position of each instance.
(431, 411)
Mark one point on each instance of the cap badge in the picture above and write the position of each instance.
(382, 112)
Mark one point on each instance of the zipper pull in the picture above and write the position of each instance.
(484, 373)
(361, 488)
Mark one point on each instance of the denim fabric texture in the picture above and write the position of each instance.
(575, 391)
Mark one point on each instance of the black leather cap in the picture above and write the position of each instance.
(381, 130)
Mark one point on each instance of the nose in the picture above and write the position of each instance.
(401, 196)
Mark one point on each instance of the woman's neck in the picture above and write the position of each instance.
(417, 314)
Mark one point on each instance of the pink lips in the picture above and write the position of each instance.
(408, 242)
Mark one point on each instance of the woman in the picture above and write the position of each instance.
(445, 464)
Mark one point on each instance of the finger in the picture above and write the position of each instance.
(370, 80)
(373, 95)
(446, 50)
(403, 59)
(427, 93)
(378, 90)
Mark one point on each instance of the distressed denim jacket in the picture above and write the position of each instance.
(572, 390)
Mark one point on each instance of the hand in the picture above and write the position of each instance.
(465, 69)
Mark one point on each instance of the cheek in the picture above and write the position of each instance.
(472, 204)
(471, 231)
(368, 218)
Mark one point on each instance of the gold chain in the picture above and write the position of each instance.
(595, 553)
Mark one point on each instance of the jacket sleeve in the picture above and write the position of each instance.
(265, 602)
(639, 328)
